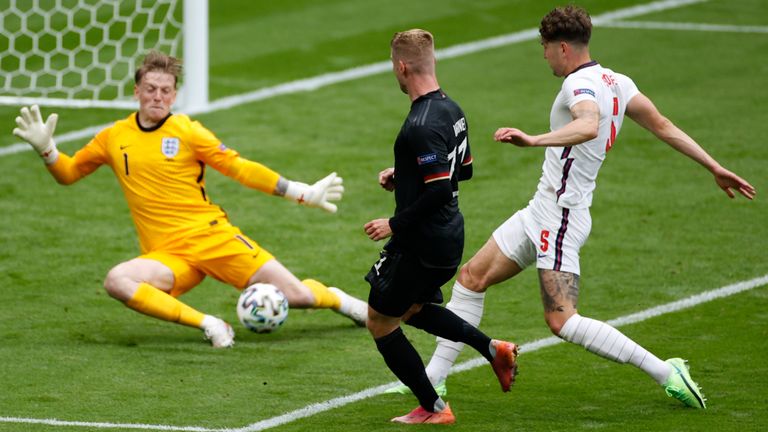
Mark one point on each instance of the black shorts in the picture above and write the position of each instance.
(399, 280)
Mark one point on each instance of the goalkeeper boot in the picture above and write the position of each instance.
(401, 388)
(505, 363)
(218, 332)
(420, 415)
(680, 386)
(351, 307)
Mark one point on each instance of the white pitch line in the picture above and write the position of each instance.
(524, 348)
(104, 425)
(674, 306)
(324, 80)
(354, 73)
(320, 407)
(659, 25)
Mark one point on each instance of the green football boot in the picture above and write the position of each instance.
(680, 386)
(401, 388)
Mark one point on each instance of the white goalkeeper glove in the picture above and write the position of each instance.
(319, 194)
(38, 134)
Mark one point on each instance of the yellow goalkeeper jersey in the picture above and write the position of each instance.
(162, 173)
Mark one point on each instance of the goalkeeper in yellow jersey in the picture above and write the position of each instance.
(159, 159)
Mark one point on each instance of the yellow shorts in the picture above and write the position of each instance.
(221, 251)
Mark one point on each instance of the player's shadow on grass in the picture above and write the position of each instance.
(306, 327)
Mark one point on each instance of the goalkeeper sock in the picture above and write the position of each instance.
(159, 304)
(602, 339)
(324, 298)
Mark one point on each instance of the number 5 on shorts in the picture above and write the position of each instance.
(544, 242)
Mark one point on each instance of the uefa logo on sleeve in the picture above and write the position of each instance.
(170, 147)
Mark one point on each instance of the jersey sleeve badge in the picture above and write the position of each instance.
(584, 91)
(426, 159)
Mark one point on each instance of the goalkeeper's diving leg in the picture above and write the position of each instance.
(144, 285)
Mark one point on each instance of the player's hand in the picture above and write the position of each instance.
(378, 229)
(728, 180)
(38, 134)
(387, 179)
(514, 136)
(319, 194)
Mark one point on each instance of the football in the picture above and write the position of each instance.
(262, 308)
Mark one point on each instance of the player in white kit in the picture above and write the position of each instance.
(585, 120)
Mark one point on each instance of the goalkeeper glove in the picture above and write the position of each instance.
(38, 134)
(319, 194)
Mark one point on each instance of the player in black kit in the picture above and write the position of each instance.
(427, 233)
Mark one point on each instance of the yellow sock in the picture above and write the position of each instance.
(159, 304)
(324, 298)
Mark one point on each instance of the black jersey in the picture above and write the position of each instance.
(431, 156)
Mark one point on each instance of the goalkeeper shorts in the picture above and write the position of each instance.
(221, 251)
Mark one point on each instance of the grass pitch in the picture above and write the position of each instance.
(661, 231)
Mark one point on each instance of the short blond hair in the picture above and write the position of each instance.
(415, 47)
(156, 61)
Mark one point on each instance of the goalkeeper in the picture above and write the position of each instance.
(159, 159)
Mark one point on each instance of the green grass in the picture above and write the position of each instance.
(661, 231)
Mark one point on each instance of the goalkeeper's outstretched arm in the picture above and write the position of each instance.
(260, 177)
(66, 170)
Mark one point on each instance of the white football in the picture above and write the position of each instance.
(262, 308)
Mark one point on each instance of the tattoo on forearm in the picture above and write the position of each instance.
(558, 290)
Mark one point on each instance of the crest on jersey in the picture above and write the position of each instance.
(170, 147)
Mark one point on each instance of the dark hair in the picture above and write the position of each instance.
(156, 61)
(570, 23)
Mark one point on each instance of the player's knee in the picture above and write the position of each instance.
(472, 280)
(110, 282)
(372, 325)
(116, 284)
(379, 325)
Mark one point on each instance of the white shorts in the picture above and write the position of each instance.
(546, 233)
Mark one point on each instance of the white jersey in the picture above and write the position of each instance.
(569, 173)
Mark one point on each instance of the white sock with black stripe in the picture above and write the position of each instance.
(604, 340)
(468, 305)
